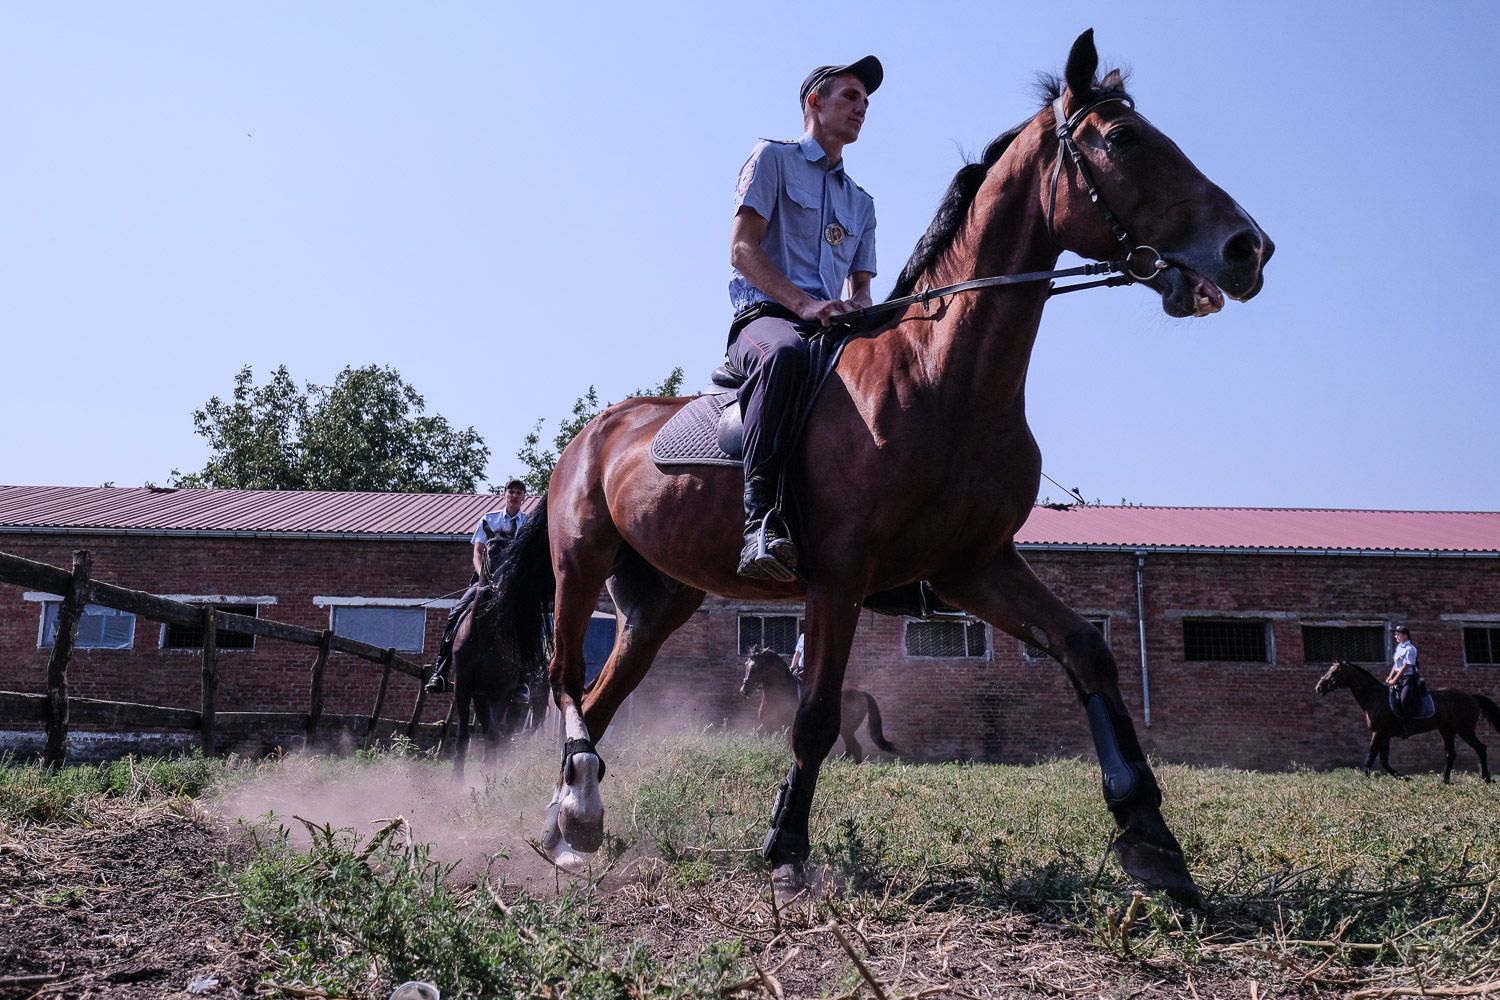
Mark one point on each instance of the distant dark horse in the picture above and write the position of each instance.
(487, 685)
(1457, 712)
(933, 397)
(767, 672)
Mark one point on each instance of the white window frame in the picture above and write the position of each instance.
(203, 600)
(44, 599)
(415, 603)
(1486, 622)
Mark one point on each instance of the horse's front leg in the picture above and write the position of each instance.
(831, 619)
(1009, 596)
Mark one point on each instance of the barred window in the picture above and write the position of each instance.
(945, 638)
(779, 632)
(98, 627)
(1207, 640)
(1356, 643)
(1482, 645)
(1036, 654)
(191, 636)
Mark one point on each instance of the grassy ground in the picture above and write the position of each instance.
(936, 880)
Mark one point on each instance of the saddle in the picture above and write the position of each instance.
(1410, 701)
(710, 431)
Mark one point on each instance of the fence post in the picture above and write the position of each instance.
(315, 709)
(385, 683)
(68, 614)
(210, 678)
(416, 711)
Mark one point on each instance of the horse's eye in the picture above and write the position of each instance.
(1120, 138)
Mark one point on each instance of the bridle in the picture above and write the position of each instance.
(1127, 270)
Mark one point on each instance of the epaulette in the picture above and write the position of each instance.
(779, 142)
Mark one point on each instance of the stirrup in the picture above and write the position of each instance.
(762, 565)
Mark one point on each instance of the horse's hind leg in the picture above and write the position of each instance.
(461, 710)
(851, 744)
(1009, 596)
(1450, 754)
(1481, 752)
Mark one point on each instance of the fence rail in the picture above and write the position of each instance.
(77, 589)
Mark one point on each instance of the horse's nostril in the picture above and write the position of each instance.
(1244, 247)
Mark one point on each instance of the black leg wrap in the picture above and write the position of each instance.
(578, 746)
(1122, 779)
(776, 837)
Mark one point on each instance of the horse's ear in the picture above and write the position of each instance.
(1083, 63)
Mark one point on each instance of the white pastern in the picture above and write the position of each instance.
(581, 807)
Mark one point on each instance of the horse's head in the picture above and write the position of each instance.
(1333, 679)
(1149, 194)
(762, 668)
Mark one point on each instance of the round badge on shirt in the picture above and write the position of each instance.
(834, 234)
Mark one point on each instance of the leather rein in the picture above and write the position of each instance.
(1124, 271)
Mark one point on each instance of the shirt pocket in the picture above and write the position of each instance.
(847, 235)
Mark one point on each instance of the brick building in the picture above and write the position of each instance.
(1240, 611)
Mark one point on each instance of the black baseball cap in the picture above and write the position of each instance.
(868, 71)
(515, 484)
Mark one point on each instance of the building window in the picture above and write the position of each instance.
(191, 636)
(1482, 645)
(98, 627)
(1205, 640)
(404, 629)
(945, 639)
(1356, 643)
(779, 632)
(1036, 654)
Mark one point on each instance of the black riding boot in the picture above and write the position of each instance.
(438, 683)
(768, 553)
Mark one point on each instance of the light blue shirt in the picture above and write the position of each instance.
(499, 523)
(821, 225)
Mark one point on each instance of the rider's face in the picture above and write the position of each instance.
(841, 114)
(513, 498)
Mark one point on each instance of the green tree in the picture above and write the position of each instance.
(369, 430)
(540, 461)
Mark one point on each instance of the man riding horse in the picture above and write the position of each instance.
(496, 530)
(802, 231)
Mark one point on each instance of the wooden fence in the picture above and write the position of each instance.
(77, 590)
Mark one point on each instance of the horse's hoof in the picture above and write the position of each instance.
(569, 860)
(583, 833)
(788, 881)
(1158, 866)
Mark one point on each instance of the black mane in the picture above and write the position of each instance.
(960, 194)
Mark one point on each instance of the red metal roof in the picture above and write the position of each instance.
(156, 509)
(1265, 528)
(445, 515)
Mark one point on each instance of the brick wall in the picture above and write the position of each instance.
(999, 707)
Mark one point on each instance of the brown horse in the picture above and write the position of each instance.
(933, 397)
(1456, 712)
(768, 673)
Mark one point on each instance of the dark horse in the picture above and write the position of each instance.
(501, 695)
(1456, 712)
(767, 672)
(933, 397)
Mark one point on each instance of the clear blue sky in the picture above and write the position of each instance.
(508, 203)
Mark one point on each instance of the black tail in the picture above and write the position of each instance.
(874, 725)
(524, 586)
(1490, 709)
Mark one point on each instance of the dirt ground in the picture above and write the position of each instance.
(131, 908)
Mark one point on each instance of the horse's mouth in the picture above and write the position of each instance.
(1322, 687)
(1185, 292)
